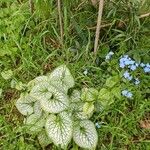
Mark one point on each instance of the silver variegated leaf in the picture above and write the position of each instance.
(25, 104)
(75, 96)
(56, 103)
(40, 79)
(36, 81)
(85, 134)
(75, 100)
(37, 108)
(34, 123)
(43, 138)
(40, 91)
(59, 129)
(61, 76)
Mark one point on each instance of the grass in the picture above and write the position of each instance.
(30, 46)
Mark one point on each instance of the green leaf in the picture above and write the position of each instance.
(7, 74)
(89, 94)
(43, 139)
(105, 97)
(110, 82)
(77, 109)
(56, 103)
(59, 129)
(116, 92)
(88, 108)
(85, 134)
(104, 94)
(17, 85)
(25, 104)
(61, 76)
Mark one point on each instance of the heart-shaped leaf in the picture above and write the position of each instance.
(7, 74)
(36, 81)
(75, 96)
(59, 129)
(62, 76)
(56, 103)
(25, 104)
(105, 97)
(85, 135)
(111, 81)
(89, 94)
(40, 90)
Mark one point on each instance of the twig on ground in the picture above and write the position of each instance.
(100, 11)
(60, 20)
(31, 6)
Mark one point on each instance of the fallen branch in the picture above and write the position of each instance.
(60, 20)
(100, 11)
(110, 24)
(31, 6)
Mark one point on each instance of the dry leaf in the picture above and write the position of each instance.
(145, 124)
(94, 2)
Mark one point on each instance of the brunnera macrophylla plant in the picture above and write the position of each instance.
(56, 116)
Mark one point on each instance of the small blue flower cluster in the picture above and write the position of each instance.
(127, 93)
(132, 65)
(127, 76)
(109, 55)
(126, 62)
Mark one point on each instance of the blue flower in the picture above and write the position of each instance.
(97, 125)
(124, 92)
(108, 56)
(129, 61)
(122, 65)
(148, 65)
(127, 94)
(133, 67)
(137, 81)
(142, 65)
(127, 75)
(125, 61)
(137, 64)
(147, 68)
(110, 53)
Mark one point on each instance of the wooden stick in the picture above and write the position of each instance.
(100, 11)
(109, 24)
(144, 15)
(60, 20)
(31, 6)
